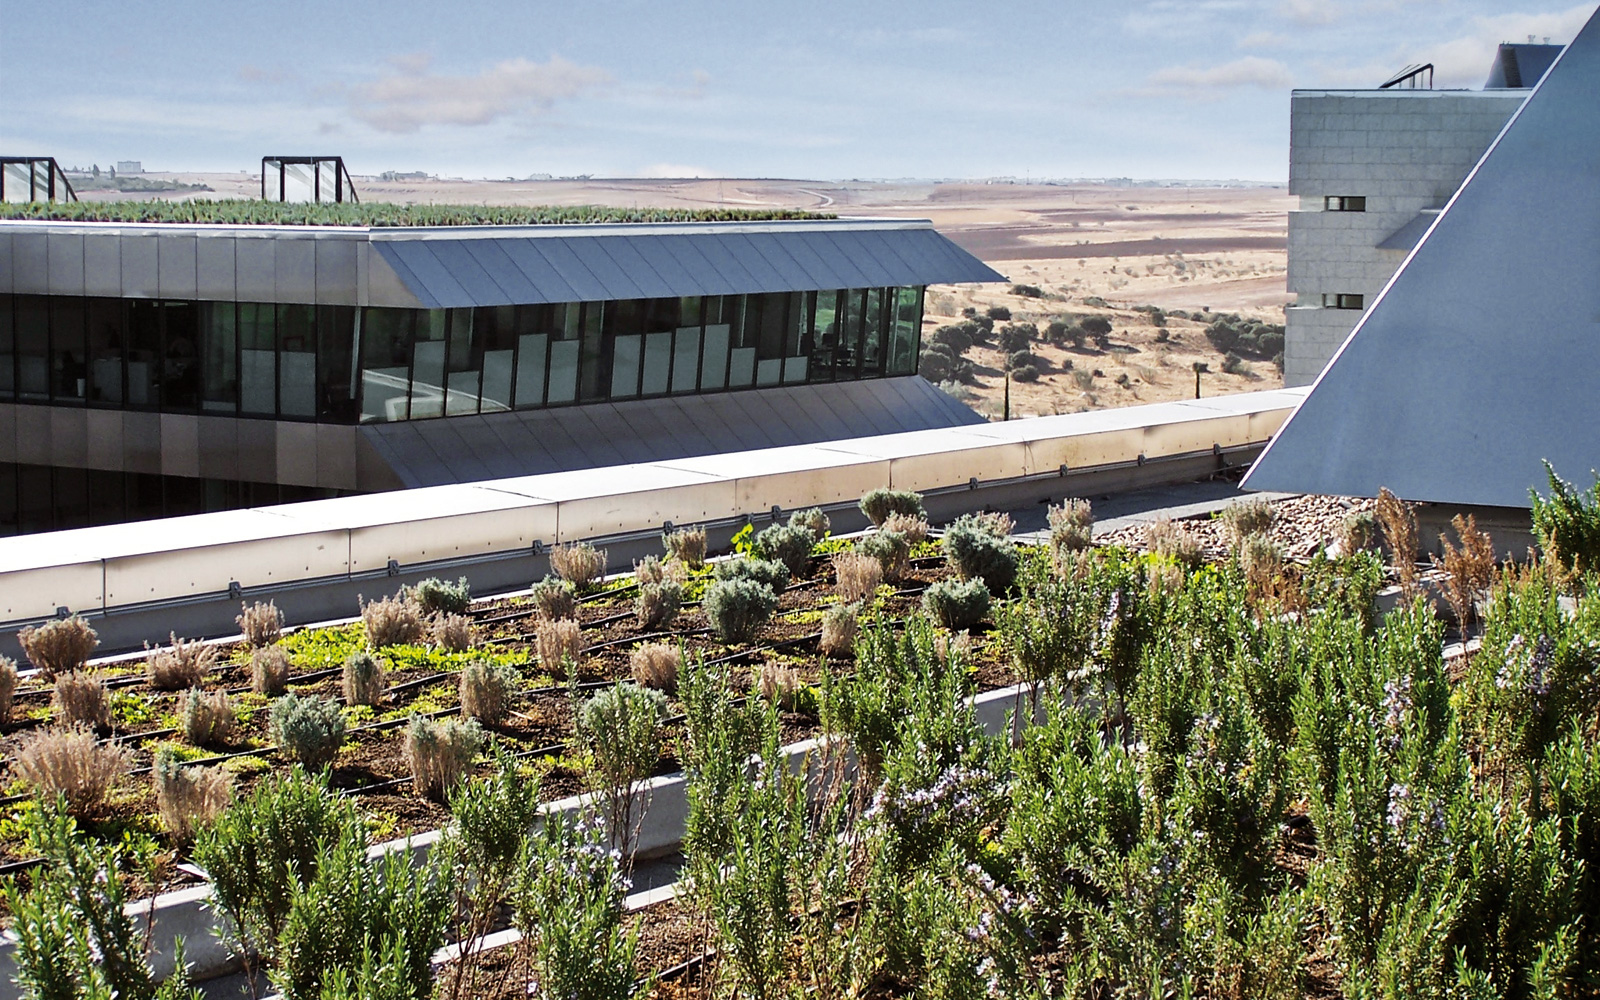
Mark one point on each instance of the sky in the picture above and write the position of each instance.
(826, 89)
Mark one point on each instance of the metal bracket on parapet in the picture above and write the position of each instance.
(666, 528)
(972, 483)
(1140, 459)
(1216, 449)
(235, 591)
(1063, 470)
(63, 611)
(394, 567)
(777, 513)
(538, 547)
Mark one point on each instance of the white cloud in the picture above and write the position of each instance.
(1311, 12)
(1263, 40)
(675, 170)
(1249, 71)
(412, 97)
(1465, 61)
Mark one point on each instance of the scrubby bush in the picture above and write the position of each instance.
(559, 645)
(435, 596)
(59, 647)
(687, 545)
(939, 365)
(183, 665)
(488, 690)
(879, 504)
(392, 621)
(649, 570)
(188, 798)
(772, 575)
(998, 313)
(1566, 523)
(1234, 365)
(362, 679)
(70, 762)
(570, 903)
(1015, 337)
(206, 718)
(1357, 532)
(264, 847)
(439, 752)
(1027, 291)
(957, 605)
(957, 338)
(307, 729)
(737, 608)
(813, 522)
(8, 688)
(453, 633)
(655, 665)
(839, 628)
(261, 624)
(81, 699)
(857, 575)
(554, 599)
(786, 544)
(1020, 358)
(269, 670)
(975, 551)
(657, 604)
(620, 730)
(891, 550)
(580, 563)
(1097, 327)
(1026, 373)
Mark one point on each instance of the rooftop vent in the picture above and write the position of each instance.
(33, 178)
(306, 178)
(1414, 77)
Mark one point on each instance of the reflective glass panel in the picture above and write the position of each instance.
(69, 370)
(625, 355)
(33, 346)
(685, 358)
(106, 351)
(8, 354)
(385, 373)
(427, 365)
(336, 364)
(258, 359)
(907, 332)
(219, 358)
(144, 353)
(657, 364)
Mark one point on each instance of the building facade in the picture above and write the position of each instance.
(1372, 169)
(151, 369)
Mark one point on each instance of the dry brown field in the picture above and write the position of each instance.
(1193, 249)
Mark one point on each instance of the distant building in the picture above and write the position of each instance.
(1372, 169)
(151, 369)
(130, 167)
(405, 175)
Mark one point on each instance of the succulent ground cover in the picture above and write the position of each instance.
(1239, 780)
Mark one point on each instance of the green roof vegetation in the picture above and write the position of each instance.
(271, 213)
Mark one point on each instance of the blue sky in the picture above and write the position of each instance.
(826, 89)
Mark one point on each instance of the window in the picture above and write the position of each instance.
(1342, 300)
(1345, 203)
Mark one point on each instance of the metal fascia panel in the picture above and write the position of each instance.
(706, 278)
(431, 272)
(474, 279)
(766, 278)
(816, 260)
(620, 250)
(585, 284)
(548, 283)
(612, 277)
(724, 262)
(402, 270)
(864, 269)
(671, 270)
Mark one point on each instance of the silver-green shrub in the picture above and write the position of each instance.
(736, 609)
(620, 730)
(879, 504)
(957, 604)
(436, 596)
(975, 551)
(657, 604)
(775, 575)
(307, 728)
(787, 544)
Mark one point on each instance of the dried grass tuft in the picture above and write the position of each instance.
(915, 529)
(1357, 532)
(857, 576)
(392, 621)
(8, 688)
(1071, 526)
(1246, 518)
(269, 671)
(657, 604)
(183, 665)
(69, 761)
(81, 699)
(440, 753)
(1471, 568)
(363, 680)
(655, 665)
(686, 545)
(580, 563)
(488, 690)
(649, 570)
(59, 647)
(779, 683)
(206, 718)
(839, 628)
(1398, 522)
(188, 798)
(260, 624)
(1167, 538)
(559, 645)
(453, 633)
(554, 599)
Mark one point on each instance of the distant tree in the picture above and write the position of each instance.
(935, 366)
(1094, 325)
(1027, 291)
(1020, 358)
(97, 171)
(1027, 373)
(1000, 313)
(959, 338)
(1056, 332)
(1017, 336)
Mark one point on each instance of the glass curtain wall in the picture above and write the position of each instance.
(340, 364)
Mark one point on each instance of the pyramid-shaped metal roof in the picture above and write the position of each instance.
(1481, 357)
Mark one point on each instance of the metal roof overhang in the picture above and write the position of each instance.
(529, 268)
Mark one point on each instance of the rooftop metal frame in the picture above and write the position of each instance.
(342, 184)
(53, 174)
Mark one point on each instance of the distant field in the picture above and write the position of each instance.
(1190, 249)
